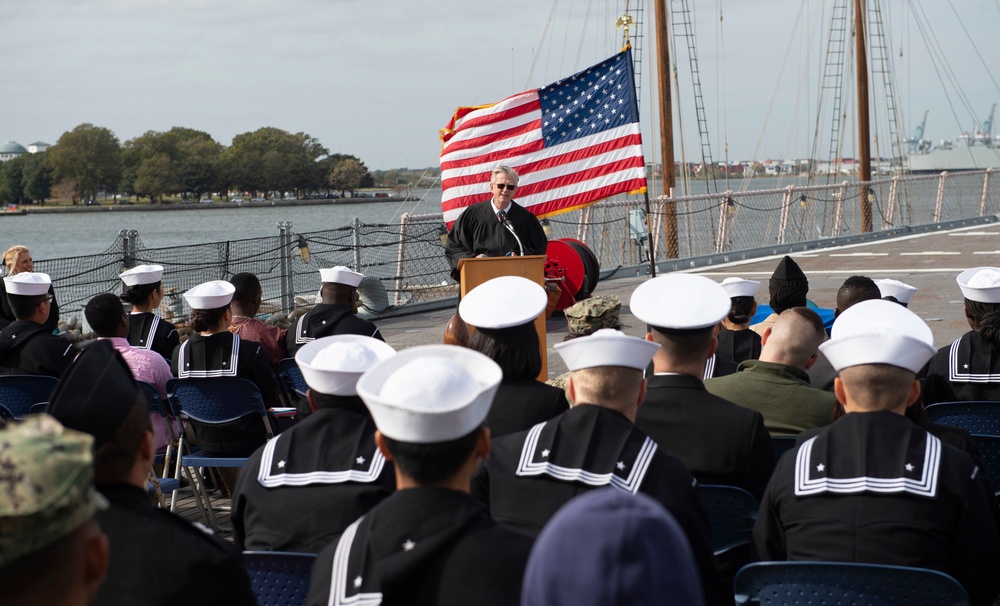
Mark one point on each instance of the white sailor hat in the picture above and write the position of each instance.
(980, 284)
(894, 288)
(680, 302)
(503, 302)
(333, 365)
(28, 284)
(340, 275)
(142, 274)
(879, 332)
(430, 393)
(210, 295)
(738, 287)
(607, 347)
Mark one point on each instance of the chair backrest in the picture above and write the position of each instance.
(279, 578)
(18, 393)
(153, 399)
(291, 377)
(215, 400)
(822, 583)
(989, 454)
(732, 512)
(981, 418)
(782, 444)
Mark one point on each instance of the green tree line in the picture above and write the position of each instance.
(181, 161)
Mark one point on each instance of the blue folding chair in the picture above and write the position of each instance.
(212, 401)
(291, 377)
(279, 578)
(18, 393)
(165, 482)
(732, 512)
(840, 584)
(782, 444)
(982, 418)
(989, 455)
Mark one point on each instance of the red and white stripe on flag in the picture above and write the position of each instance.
(572, 143)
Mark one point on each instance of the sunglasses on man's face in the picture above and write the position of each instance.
(509, 187)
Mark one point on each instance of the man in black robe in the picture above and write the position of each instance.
(156, 556)
(873, 486)
(484, 229)
(27, 346)
(429, 543)
(531, 474)
(308, 484)
(335, 315)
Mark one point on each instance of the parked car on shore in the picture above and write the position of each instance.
(187, 201)
(258, 199)
(238, 201)
(205, 201)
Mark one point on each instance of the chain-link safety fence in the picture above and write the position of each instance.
(405, 267)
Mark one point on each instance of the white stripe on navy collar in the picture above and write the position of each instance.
(339, 573)
(925, 486)
(966, 377)
(148, 344)
(182, 373)
(709, 367)
(630, 484)
(269, 480)
(301, 339)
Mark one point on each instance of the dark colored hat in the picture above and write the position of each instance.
(788, 286)
(95, 393)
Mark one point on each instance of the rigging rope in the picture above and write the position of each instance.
(974, 47)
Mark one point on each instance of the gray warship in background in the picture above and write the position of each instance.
(972, 152)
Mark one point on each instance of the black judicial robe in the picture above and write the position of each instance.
(739, 345)
(520, 404)
(29, 348)
(52, 322)
(478, 231)
(874, 487)
(308, 484)
(422, 546)
(970, 365)
(529, 475)
(720, 442)
(149, 331)
(325, 320)
(158, 558)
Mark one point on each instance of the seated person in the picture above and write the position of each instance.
(245, 305)
(27, 345)
(336, 314)
(144, 292)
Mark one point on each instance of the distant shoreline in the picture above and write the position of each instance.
(28, 209)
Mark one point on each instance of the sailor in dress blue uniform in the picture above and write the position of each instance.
(335, 315)
(144, 292)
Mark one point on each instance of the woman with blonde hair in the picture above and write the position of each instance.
(17, 259)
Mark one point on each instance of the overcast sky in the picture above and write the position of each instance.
(378, 78)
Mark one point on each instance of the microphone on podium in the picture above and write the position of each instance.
(502, 216)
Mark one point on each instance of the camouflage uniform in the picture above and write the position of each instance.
(587, 317)
(46, 486)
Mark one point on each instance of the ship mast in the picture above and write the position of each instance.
(666, 129)
(864, 147)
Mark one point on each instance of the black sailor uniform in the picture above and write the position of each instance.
(29, 348)
(422, 547)
(520, 404)
(159, 558)
(224, 354)
(718, 366)
(147, 330)
(970, 366)
(530, 475)
(720, 442)
(738, 345)
(325, 320)
(52, 322)
(875, 488)
(477, 231)
(308, 484)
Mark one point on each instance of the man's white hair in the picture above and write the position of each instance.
(510, 172)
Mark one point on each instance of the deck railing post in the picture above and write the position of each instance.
(404, 222)
(356, 230)
(786, 204)
(939, 203)
(893, 203)
(986, 192)
(720, 241)
(838, 215)
(285, 259)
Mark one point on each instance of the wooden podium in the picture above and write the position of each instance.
(476, 270)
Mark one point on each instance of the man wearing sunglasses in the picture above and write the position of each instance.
(488, 229)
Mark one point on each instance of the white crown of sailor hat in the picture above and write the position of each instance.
(606, 347)
(738, 287)
(142, 274)
(980, 284)
(27, 283)
(902, 292)
(503, 302)
(340, 275)
(430, 393)
(879, 332)
(680, 302)
(333, 365)
(210, 295)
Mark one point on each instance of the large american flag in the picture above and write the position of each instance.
(572, 143)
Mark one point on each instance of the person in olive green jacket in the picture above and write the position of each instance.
(777, 385)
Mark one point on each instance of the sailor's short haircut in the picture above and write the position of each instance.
(429, 463)
(104, 313)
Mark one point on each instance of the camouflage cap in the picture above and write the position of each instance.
(592, 314)
(46, 485)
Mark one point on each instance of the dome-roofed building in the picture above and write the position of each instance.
(38, 147)
(11, 150)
